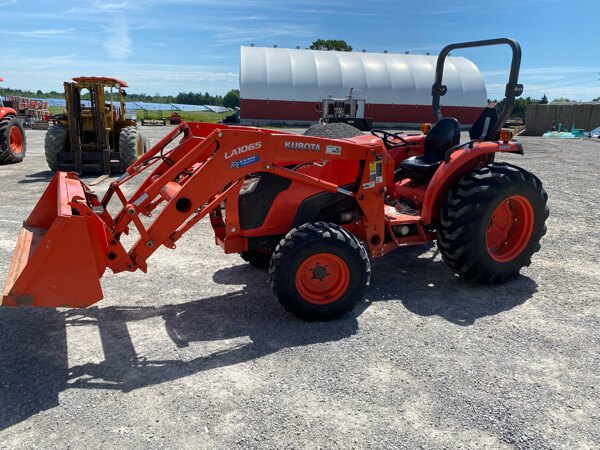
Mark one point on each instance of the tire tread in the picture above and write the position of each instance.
(460, 219)
(319, 231)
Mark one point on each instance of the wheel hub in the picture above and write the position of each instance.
(15, 140)
(510, 228)
(319, 272)
(322, 278)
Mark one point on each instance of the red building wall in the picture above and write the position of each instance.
(294, 111)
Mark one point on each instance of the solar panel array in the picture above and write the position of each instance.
(218, 109)
(181, 107)
(61, 102)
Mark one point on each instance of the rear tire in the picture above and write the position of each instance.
(319, 271)
(492, 223)
(131, 146)
(13, 143)
(56, 141)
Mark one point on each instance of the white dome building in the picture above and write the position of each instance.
(280, 85)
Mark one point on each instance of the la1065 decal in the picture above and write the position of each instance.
(243, 149)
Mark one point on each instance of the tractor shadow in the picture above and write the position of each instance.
(45, 176)
(38, 177)
(201, 335)
(218, 331)
(33, 362)
(249, 317)
(418, 277)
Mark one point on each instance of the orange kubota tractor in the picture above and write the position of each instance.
(314, 210)
(12, 136)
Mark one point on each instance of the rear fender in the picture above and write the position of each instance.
(4, 112)
(460, 162)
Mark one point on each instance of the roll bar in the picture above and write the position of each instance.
(513, 88)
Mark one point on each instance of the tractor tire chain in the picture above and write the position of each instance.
(315, 234)
(465, 213)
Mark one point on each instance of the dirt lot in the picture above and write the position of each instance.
(198, 353)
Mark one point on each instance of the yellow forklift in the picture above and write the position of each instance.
(94, 136)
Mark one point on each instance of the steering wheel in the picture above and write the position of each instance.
(385, 137)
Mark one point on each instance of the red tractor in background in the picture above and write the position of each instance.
(313, 210)
(12, 136)
(175, 118)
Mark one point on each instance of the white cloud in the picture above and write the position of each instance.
(100, 6)
(142, 78)
(550, 70)
(118, 42)
(247, 34)
(44, 33)
(109, 6)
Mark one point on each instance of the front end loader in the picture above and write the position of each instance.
(96, 136)
(313, 210)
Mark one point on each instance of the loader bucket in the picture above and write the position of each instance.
(59, 257)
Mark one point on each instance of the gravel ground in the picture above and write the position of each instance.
(336, 130)
(198, 353)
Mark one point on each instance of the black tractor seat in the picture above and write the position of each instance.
(483, 127)
(444, 135)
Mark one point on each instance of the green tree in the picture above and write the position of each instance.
(232, 99)
(544, 100)
(562, 100)
(331, 44)
(189, 98)
(520, 106)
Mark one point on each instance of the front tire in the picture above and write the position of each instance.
(492, 223)
(12, 141)
(131, 146)
(319, 271)
(56, 141)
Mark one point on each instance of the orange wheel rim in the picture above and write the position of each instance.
(510, 228)
(15, 140)
(322, 278)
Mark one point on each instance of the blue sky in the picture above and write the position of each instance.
(166, 47)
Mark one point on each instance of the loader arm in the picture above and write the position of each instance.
(182, 185)
(202, 173)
